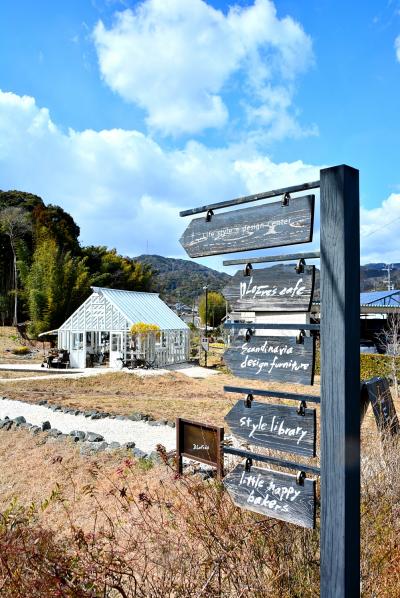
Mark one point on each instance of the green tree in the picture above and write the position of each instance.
(14, 224)
(56, 285)
(109, 269)
(216, 309)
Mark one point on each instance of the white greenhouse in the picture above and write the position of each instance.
(98, 332)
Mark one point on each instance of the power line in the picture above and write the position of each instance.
(380, 228)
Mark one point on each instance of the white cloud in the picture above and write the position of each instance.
(121, 187)
(183, 60)
(125, 191)
(397, 47)
(380, 231)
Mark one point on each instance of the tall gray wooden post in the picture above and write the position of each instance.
(340, 383)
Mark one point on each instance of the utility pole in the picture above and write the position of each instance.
(205, 288)
(387, 269)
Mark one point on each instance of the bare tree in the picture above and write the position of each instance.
(14, 223)
(390, 340)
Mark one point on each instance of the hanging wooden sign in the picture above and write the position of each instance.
(269, 289)
(269, 225)
(273, 493)
(200, 442)
(272, 358)
(278, 427)
(382, 405)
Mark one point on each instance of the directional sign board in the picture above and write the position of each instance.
(269, 289)
(382, 405)
(272, 358)
(277, 427)
(269, 225)
(273, 493)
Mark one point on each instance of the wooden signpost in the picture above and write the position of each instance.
(270, 225)
(279, 495)
(382, 405)
(199, 442)
(272, 358)
(269, 290)
(278, 427)
(274, 493)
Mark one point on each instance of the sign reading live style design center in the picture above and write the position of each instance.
(269, 225)
(271, 290)
(272, 358)
(273, 493)
(277, 427)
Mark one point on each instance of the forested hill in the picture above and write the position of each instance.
(45, 274)
(181, 280)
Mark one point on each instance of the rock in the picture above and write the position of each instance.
(35, 430)
(138, 453)
(89, 448)
(78, 434)
(77, 412)
(54, 432)
(25, 425)
(87, 413)
(6, 417)
(113, 445)
(8, 425)
(155, 456)
(96, 416)
(19, 420)
(46, 426)
(158, 422)
(43, 402)
(135, 417)
(120, 417)
(93, 437)
(129, 445)
(171, 424)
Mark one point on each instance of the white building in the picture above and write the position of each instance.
(100, 328)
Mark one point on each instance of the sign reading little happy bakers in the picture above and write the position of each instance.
(269, 225)
(272, 358)
(269, 290)
(277, 427)
(273, 493)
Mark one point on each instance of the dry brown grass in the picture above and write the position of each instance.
(165, 397)
(10, 340)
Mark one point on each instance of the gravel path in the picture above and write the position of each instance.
(144, 435)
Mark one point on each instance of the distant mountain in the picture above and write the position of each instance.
(373, 277)
(182, 280)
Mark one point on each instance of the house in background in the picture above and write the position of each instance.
(100, 327)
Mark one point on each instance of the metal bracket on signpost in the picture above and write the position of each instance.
(301, 409)
(300, 337)
(209, 215)
(248, 464)
(300, 477)
(249, 334)
(247, 270)
(248, 400)
(285, 200)
(300, 266)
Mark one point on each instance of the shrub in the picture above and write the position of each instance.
(142, 328)
(21, 350)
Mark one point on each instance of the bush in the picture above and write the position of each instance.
(371, 365)
(21, 350)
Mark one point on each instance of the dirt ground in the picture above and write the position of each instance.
(10, 340)
(164, 397)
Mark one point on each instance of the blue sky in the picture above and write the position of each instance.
(126, 112)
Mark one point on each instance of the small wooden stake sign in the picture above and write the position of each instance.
(273, 493)
(269, 225)
(272, 358)
(382, 405)
(199, 442)
(271, 290)
(278, 427)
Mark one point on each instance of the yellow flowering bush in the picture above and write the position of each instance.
(142, 328)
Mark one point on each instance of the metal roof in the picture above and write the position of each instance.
(381, 298)
(143, 307)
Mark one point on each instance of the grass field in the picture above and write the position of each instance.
(106, 525)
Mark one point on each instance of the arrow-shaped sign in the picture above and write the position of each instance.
(269, 225)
